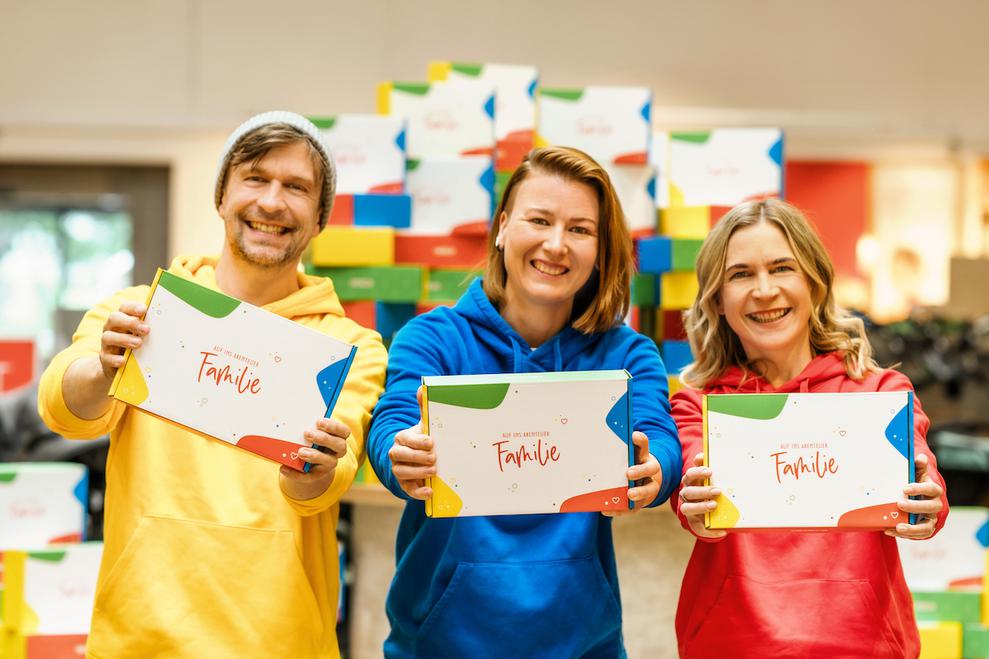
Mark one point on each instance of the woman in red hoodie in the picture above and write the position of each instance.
(765, 320)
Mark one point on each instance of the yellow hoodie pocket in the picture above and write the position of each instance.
(194, 589)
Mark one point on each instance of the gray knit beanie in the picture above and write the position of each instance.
(301, 124)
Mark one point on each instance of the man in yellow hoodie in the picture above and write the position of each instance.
(212, 551)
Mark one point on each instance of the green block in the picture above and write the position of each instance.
(382, 283)
(447, 285)
(949, 605)
(685, 253)
(645, 290)
(501, 182)
(975, 641)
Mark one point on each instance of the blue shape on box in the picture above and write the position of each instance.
(647, 110)
(898, 431)
(532, 88)
(651, 188)
(383, 210)
(329, 382)
(489, 106)
(655, 254)
(617, 419)
(400, 141)
(776, 152)
(676, 355)
(391, 316)
(487, 181)
(982, 535)
(81, 492)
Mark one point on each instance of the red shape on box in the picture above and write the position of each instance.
(441, 251)
(635, 158)
(513, 148)
(278, 450)
(615, 498)
(386, 188)
(65, 539)
(61, 646)
(16, 364)
(881, 516)
(343, 210)
(362, 312)
(673, 325)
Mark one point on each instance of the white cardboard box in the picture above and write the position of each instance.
(42, 503)
(955, 558)
(451, 195)
(368, 150)
(611, 124)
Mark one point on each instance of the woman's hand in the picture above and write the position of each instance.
(927, 507)
(413, 459)
(646, 475)
(696, 499)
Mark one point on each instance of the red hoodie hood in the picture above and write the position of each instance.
(815, 376)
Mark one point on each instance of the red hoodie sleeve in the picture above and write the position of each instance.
(686, 407)
(896, 381)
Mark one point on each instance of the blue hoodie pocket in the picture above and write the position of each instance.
(549, 608)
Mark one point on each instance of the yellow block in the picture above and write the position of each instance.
(677, 290)
(940, 640)
(685, 222)
(675, 384)
(346, 246)
(439, 71)
(384, 97)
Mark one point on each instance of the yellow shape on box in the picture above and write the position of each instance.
(677, 290)
(445, 502)
(725, 516)
(131, 386)
(354, 246)
(439, 71)
(940, 640)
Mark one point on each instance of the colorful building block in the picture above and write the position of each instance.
(685, 253)
(451, 195)
(368, 151)
(444, 285)
(725, 167)
(372, 210)
(675, 384)
(609, 123)
(352, 246)
(676, 355)
(387, 284)
(975, 641)
(677, 290)
(645, 290)
(515, 103)
(940, 640)
(671, 325)
(442, 251)
(655, 254)
(958, 605)
(42, 503)
(391, 316)
(362, 312)
(443, 118)
(683, 222)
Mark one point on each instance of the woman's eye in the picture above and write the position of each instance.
(782, 268)
(738, 274)
(581, 230)
(538, 220)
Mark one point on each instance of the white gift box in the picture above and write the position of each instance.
(451, 195)
(955, 558)
(529, 443)
(725, 167)
(611, 124)
(368, 151)
(825, 460)
(635, 187)
(42, 503)
(443, 118)
(232, 371)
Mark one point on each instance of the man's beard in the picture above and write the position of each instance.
(266, 259)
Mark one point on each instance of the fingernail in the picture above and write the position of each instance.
(716, 491)
(143, 327)
(307, 452)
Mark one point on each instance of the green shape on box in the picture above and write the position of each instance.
(447, 285)
(472, 70)
(747, 406)
(325, 123)
(697, 137)
(208, 301)
(417, 88)
(975, 641)
(501, 182)
(474, 396)
(381, 283)
(563, 94)
(49, 556)
(8, 477)
(685, 253)
(412, 163)
(949, 605)
(645, 290)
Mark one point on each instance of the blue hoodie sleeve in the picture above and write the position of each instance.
(651, 411)
(416, 351)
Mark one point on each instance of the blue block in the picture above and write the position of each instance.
(390, 317)
(655, 254)
(383, 210)
(676, 356)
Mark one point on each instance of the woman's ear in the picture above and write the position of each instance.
(500, 238)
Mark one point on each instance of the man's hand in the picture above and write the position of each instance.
(645, 473)
(123, 329)
(330, 437)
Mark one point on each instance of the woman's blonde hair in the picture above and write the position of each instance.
(604, 300)
(716, 347)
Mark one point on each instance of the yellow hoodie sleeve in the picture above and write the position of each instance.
(364, 384)
(85, 343)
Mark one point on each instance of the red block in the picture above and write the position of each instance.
(343, 211)
(672, 329)
(442, 251)
(361, 312)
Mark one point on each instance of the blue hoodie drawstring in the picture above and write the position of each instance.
(557, 355)
(516, 355)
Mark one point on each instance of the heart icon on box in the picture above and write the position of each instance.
(563, 420)
(615, 499)
(894, 514)
(278, 359)
(295, 456)
(842, 432)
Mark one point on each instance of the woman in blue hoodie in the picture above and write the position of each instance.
(552, 298)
